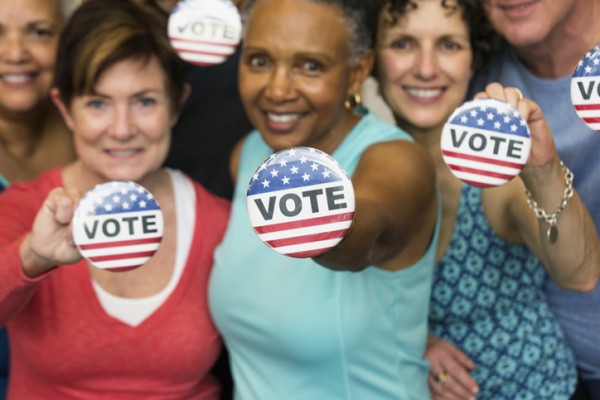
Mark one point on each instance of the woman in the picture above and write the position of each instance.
(350, 323)
(78, 332)
(494, 335)
(33, 136)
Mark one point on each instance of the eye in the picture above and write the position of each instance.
(401, 43)
(450, 45)
(312, 66)
(257, 61)
(95, 103)
(41, 32)
(147, 101)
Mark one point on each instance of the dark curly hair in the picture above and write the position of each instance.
(482, 37)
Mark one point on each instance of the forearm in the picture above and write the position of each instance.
(16, 288)
(567, 236)
(360, 247)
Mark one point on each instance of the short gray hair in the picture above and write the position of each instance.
(360, 22)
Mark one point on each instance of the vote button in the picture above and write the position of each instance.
(118, 226)
(205, 32)
(300, 202)
(485, 142)
(585, 89)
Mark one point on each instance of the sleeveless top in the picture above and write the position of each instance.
(297, 330)
(488, 300)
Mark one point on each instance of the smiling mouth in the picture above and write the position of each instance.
(516, 7)
(16, 78)
(424, 93)
(123, 153)
(283, 118)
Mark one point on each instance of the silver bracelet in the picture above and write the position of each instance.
(551, 219)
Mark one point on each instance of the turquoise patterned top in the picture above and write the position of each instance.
(487, 300)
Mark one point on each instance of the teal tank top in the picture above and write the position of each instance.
(297, 330)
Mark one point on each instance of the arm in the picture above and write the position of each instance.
(18, 281)
(395, 210)
(573, 260)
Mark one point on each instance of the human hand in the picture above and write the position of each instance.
(543, 150)
(449, 377)
(50, 241)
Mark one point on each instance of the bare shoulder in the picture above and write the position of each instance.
(398, 161)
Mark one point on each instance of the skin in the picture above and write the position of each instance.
(122, 132)
(294, 78)
(550, 36)
(33, 137)
(505, 206)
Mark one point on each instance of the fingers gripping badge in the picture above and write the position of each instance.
(300, 202)
(585, 89)
(486, 142)
(118, 226)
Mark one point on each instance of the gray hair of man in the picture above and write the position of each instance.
(360, 21)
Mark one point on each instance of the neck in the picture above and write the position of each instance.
(20, 134)
(78, 176)
(558, 54)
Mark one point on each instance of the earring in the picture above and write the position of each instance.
(354, 103)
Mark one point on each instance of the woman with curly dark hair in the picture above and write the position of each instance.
(493, 334)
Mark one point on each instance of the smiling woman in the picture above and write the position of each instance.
(82, 332)
(33, 137)
(349, 323)
(494, 335)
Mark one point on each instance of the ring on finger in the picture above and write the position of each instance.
(441, 377)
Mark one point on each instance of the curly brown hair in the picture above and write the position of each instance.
(482, 37)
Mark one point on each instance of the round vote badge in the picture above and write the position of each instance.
(585, 89)
(485, 142)
(300, 202)
(205, 32)
(118, 226)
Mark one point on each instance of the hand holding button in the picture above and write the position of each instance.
(300, 202)
(486, 142)
(50, 242)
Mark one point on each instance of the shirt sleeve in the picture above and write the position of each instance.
(18, 207)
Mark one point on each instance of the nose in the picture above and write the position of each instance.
(426, 65)
(280, 87)
(13, 48)
(123, 124)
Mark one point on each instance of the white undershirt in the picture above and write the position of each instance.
(134, 311)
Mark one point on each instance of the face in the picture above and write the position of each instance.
(424, 64)
(122, 131)
(527, 22)
(29, 31)
(294, 75)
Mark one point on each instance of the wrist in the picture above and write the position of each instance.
(32, 263)
(550, 216)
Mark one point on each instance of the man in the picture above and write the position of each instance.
(544, 41)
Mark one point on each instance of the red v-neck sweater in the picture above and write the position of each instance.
(64, 346)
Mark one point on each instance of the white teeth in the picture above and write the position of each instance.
(122, 153)
(16, 78)
(424, 93)
(282, 118)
